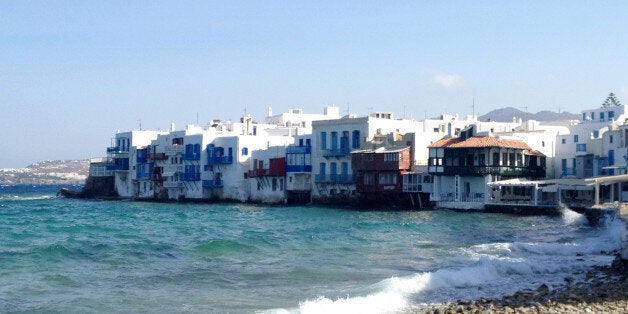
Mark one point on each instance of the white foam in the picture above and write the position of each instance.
(497, 268)
(573, 218)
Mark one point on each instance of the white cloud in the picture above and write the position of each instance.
(448, 80)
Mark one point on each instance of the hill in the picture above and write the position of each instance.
(48, 172)
(507, 114)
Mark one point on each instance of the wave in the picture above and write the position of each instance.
(496, 269)
(223, 247)
(25, 198)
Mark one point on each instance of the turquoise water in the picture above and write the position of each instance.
(62, 255)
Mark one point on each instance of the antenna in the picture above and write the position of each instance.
(473, 107)
(197, 118)
(140, 122)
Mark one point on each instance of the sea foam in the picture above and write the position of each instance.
(498, 269)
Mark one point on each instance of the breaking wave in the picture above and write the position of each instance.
(496, 269)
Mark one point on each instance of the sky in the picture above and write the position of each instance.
(72, 73)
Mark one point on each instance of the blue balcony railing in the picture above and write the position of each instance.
(299, 150)
(568, 172)
(212, 183)
(334, 178)
(213, 160)
(113, 149)
(142, 175)
(190, 176)
(114, 167)
(298, 168)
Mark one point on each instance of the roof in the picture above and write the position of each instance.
(481, 141)
(381, 150)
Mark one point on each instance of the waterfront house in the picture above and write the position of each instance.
(379, 172)
(463, 166)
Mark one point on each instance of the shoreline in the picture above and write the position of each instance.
(603, 289)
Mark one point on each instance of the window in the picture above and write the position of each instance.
(391, 157)
(323, 166)
(601, 116)
(611, 115)
(610, 139)
(245, 151)
(387, 178)
(563, 141)
(355, 140)
(575, 138)
(323, 140)
(584, 116)
(596, 134)
(592, 115)
(581, 147)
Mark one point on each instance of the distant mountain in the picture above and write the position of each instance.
(48, 172)
(507, 114)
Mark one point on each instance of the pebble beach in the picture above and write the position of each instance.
(603, 290)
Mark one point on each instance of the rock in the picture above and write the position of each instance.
(543, 289)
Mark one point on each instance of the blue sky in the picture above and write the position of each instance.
(74, 72)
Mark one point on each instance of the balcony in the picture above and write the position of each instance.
(298, 168)
(113, 167)
(336, 152)
(212, 183)
(173, 168)
(173, 149)
(509, 171)
(142, 175)
(214, 160)
(190, 176)
(117, 164)
(567, 172)
(173, 184)
(334, 178)
(156, 156)
(299, 150)
(191, 156)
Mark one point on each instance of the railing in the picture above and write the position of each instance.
(191, 156)
(568, 172)
(298, 168)
(334, 178)
(142, 175)
(212, 183)
(117, 167)
(219, 160)
(190, 176)
(173, 168)
(173, 184)
(520, 171)
(337, 152)
(156, 156)
(173, 149)
(298, 149)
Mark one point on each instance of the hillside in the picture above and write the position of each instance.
(48, 172)
(507, 114)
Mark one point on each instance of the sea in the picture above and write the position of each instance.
(87, 256)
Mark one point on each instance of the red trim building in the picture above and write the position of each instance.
(381, 170)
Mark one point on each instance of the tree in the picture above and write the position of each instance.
(611, 101)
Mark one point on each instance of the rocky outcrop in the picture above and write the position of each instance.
(95, 187)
